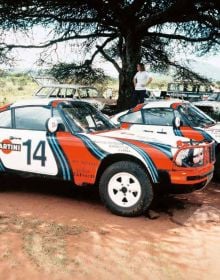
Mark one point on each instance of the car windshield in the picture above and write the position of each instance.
(213, 97)
(45, 91)
(87, 92)
(82, 117)
(195, 117)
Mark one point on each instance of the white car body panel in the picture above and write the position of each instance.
(214, 131)
(145, 137)
(18, 159)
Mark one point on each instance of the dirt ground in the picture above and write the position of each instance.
(50, 231)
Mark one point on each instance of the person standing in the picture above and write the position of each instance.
(140, 80)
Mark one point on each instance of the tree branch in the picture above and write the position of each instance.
(58, 40)
(181, 37)
(107, 57)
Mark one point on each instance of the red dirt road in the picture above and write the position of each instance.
(48, 231)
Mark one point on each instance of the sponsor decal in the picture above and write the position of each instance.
(7, 146)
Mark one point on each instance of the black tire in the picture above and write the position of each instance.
(217, 168)
(135, 202)
(3, 180)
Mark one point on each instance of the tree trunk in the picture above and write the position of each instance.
(130, 52)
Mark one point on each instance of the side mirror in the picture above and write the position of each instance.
(52, 125)
(177, 122)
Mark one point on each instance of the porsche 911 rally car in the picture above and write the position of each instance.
(71, 140)
(170, 118)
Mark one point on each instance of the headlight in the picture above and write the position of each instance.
(190, 157)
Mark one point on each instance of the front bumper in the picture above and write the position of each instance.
(191, 177)
(184, 181)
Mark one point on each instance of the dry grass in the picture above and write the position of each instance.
(14, 87)
(43, 242)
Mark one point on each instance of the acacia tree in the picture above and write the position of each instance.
(122, 31)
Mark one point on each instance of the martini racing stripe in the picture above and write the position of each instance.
(151, 167)
(60, 157)
(1, 166)
(93, 148)
(206, 135)
(63, 159)
(166, 149)
(177, 132)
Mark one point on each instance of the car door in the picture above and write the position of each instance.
(154, 120)
(23, 143)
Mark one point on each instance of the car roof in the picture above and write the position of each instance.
(42, 102)
(74, 86)
(163, 103)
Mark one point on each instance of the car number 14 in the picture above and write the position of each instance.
(38, 154)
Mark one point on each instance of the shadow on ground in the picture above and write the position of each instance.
(166, 204)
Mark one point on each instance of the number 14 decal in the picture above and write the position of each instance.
(39, 152)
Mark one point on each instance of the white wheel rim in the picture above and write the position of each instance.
(124, 189)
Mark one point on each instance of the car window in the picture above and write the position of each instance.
(70, 92)
(62, 93)
(92, 92)
(44, 91)
(32, 117)
(84, 117)
(53, 92)
(5, 119)
(192, 116)
(83, 92)
(158, 116)
(88, 92)
(213, 97)
(135, 117)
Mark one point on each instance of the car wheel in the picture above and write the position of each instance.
(3, 183)
(217, 167)
(125, 189)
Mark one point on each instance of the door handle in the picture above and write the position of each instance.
(14, 138)
(162, 132)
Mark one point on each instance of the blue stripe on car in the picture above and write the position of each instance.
(152, 168)
(57, 156)
(166, 149)
(177, 132)
(60, 157)
(1, 166)
(206, 135)
(93, 148)
(64, 160)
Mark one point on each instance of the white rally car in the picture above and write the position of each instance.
(211, 106)
(169, 118)
(72, 141)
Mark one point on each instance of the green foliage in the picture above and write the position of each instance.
(82, 74)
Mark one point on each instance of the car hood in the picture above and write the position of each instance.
(207, 103)
(214, 131)
(142, 137)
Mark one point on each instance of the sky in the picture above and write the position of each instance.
(27, 58)
(204, 65)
